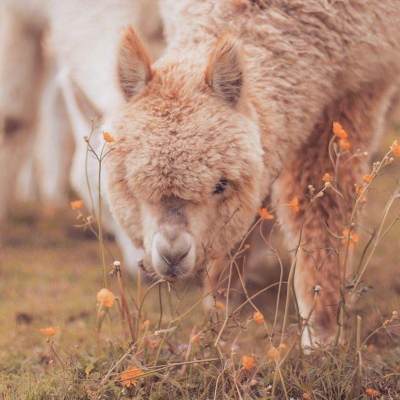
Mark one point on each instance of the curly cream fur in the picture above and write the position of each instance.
(297, 66)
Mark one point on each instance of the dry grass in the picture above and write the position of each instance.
(51, 272)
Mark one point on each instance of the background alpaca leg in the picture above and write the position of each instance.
(44, 175)
(54, 146)
(20, 67)
(363, 116)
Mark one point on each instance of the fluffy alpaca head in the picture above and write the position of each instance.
(185, 174)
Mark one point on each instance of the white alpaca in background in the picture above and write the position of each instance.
(82, 37)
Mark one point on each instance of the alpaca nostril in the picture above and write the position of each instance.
(173, 260)
(165, 259)
(183, 255)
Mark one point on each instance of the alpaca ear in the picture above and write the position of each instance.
(133, 64)
(224, 72)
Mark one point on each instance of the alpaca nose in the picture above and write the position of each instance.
(173, 252)
(173, 258)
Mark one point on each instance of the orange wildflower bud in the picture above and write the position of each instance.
(107, 137)
(367, 178)
(344, 144)
(307, 395)
(196, 339)
(327, 177)
(258, 317)
(106, 297)
(339, 131)
(76, 205)
(248, 363)
(354, 238)
(50, 331)
(372, 392)
(273, 353)
(265, 214)
(396, 148)
(152, 343)
(359, 189)
(294, 204)
(361, 192)
(220, 305)
(214, 256)
(128, 377)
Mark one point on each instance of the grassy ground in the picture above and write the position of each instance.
(50, 274)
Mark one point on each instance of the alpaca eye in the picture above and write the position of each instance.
(220, 186)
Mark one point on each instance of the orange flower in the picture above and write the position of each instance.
(344, 144)
(354, 237)
(346, 232)
(129, 375)
(106, 297)
(371, 347)
(258, 317)
(152, 343)
(372, 392)
(248, 363)
(107, 137)
(283, 346)
(50, 331)
(359, 189)
(76, 205)
(367, 178)
(196, 339)
(307, 395)
(396, 148)
(273, 353)
(214, 256)
(361, 192)
(220, 305)
(339, 131)
(294, 204)
(327, 177)
(265, 214)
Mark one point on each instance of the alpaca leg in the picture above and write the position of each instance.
(20, 70)
(55, 145)
(318, 270)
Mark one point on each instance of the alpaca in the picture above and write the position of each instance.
(83, 52)
(240, 108)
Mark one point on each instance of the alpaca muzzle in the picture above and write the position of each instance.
(173, 252)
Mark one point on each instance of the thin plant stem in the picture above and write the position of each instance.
(99, 222)
(378, 239)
